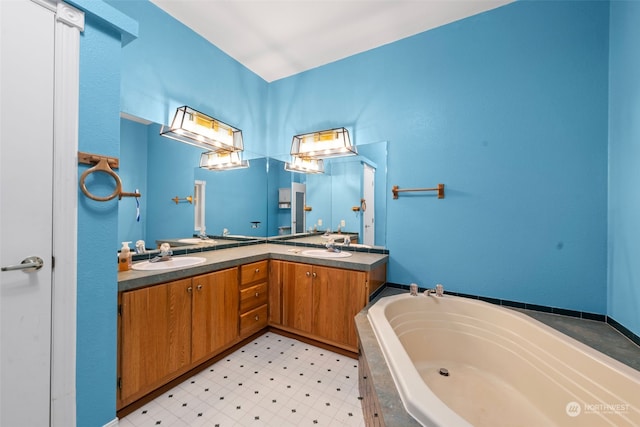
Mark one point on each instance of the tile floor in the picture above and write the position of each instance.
(272, 381)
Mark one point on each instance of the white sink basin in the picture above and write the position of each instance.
(323, 253)
(176, 262)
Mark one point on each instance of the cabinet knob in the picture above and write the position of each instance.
(315, 275)
(199, 287)
(308, 274)
(257, 317)
(189, 289)
(257, 270)
(257, 294)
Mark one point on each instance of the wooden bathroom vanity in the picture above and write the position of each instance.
(173, 323)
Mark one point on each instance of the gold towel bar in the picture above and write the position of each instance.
(440, 189)
(186, 199)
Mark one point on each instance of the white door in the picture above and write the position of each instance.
(26, 162)
(368, 205)
(298, 200)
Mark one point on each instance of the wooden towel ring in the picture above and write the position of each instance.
(101, 166)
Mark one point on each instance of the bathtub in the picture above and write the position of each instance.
(504, 368)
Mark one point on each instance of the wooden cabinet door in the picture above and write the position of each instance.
(155, 339)
(338, 295)
(276, 269)
(297, 296)
(214, 321)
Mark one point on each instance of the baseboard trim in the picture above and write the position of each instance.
(623, 330)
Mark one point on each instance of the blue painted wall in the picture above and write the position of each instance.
(624, 165)
(169, 66)
(133, 174)
(99, 129)
(509, 110)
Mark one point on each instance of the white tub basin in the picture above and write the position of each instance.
(323, 253)
(176, 262)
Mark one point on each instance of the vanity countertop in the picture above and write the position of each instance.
(232, 257)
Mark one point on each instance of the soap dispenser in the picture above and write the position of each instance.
(125, 258)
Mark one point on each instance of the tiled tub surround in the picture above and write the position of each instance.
(271, 381)
(378, 388)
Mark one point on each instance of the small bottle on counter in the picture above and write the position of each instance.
(125, 258)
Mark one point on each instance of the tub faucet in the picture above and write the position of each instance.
(438, 291)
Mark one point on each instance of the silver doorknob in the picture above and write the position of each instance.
(27, 265)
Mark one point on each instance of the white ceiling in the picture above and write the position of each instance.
(277, 39)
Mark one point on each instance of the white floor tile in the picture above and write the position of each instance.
(272, 381)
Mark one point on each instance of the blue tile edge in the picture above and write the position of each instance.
(249, 242)
(516, 304)
(542, 308)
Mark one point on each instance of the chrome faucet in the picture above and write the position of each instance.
(165, 253)
(140, 248)
(331, 246)
(347, 241)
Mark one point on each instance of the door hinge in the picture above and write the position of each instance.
(53, 262)
(119, 383)
(119, 309)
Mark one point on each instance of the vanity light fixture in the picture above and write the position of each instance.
(304, 165)
(196, 128)
(323, 144)
(218, 161)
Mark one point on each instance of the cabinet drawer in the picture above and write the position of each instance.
(253, 296)
(256, 271)
(253, 320)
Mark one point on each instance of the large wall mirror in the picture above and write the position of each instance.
(244, 202)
